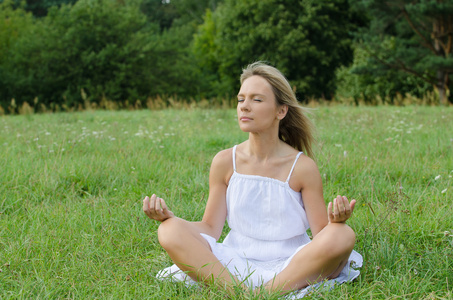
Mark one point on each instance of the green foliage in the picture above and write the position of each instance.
(108, 49)
(71, 219)
(410, 36)
(13, 24)
(306, 40)
(39, 8)
(70, 52)
(159, 12)
(367, 82)
(177, 12)
(95, 45)
(207, 54)
(194, 10)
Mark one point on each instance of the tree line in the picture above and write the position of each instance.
(64, 52)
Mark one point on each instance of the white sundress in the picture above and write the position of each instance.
(268, 227)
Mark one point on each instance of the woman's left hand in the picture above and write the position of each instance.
(341, 210)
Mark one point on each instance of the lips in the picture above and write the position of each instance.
(244, 118)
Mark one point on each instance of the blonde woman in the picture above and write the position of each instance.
(270, 192)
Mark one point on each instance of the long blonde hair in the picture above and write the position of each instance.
(295, 128)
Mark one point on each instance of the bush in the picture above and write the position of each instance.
(306, 40)
(106, 48)
(365, 82)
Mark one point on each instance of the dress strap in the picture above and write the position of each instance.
(234, 158)
(294, 164)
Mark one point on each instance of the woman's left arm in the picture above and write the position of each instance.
(310, 183)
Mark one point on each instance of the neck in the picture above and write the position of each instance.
(263, 146)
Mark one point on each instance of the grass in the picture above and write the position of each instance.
(71, 224)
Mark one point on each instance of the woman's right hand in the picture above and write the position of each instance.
(156, 209)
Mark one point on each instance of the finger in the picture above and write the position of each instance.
(152, 204)
(163, 205)
(336, 209)
(157, 204)
(352, 204)
(165, 211)
(146, 204)
(329, 209)
(347, 208)
(340, 205)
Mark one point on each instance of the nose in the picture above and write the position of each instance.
(244, 105)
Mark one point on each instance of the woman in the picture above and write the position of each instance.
(270, 193)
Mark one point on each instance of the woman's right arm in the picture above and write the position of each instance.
(156, 208)
(215, 212)
(216, 209)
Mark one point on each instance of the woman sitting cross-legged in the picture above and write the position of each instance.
(270, 192)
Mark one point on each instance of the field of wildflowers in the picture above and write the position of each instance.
(71, 222)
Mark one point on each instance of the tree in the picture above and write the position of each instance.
(14, 23)
(177, 12)
(412, 36)
(39, 8)
(178, 21)
(362, 81)
(106, 48)
(306, 39)
(160, 12)
(194, 10)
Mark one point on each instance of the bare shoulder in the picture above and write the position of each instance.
(305, 174)
(223, 157)
(306, 165)
(222, 164)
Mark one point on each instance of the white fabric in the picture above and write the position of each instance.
(268, 227)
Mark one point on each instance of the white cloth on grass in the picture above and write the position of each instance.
(268, 227)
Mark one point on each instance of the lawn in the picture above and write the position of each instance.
(72, 184)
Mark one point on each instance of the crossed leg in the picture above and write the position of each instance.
(192, 253)
(323, 258)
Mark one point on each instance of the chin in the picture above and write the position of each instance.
(245, 128)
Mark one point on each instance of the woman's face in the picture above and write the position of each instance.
(257, 108)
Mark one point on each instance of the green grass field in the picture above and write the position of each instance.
(72, 184)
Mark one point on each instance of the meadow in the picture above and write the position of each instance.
(72, 184)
